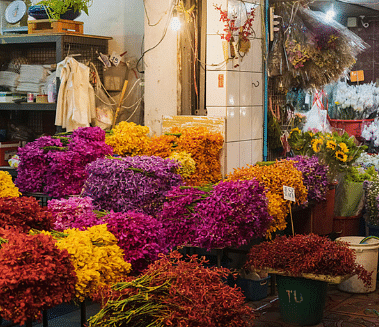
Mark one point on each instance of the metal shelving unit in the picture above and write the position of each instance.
(46, 49)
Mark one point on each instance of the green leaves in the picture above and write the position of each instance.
(55, 8)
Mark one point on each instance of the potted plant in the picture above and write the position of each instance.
(304, 265)
(59, 9)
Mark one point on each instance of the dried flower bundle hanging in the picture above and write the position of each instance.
(133, 183)
(7, 187)
(175, 292)
(24, 213)
(309, 253)
(34, 275)
(274, 177)
(318, 51)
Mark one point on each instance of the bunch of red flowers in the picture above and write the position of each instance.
(175, 292)
(34, 275)
(24, 213)
(299, 254)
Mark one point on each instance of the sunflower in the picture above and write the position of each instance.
(341, 156)
(343, 147)
(295, 130)
(316, 145)
(331, 145)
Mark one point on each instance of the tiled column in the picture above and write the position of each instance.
(235, 89)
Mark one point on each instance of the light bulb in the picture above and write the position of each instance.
(175, 21)
(330, 14)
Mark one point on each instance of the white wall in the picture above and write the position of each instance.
(123, 20)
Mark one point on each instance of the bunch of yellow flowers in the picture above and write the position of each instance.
(187, 164)
(7, 187)
(338, 151)
(97, 259)
(129, 139)
(274, 177)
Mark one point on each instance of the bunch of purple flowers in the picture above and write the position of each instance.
(140, 236)
(55, 165)
(231, 213)
(315, 176)
(74, 212)
(137, 183)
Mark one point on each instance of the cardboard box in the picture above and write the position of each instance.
(7, 150)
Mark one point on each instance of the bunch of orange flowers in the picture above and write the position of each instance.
(274, 177)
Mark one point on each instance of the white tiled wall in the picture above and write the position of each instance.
(240, 97)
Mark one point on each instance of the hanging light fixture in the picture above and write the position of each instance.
(175, 21)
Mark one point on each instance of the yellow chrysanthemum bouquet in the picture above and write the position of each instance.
(336, 150)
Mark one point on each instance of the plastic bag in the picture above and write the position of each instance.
(316, 119)
(349, 199)
(105, 106)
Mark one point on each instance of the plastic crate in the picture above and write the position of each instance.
(40, 197)
(254, 290)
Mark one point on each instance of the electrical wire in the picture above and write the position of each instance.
(171, 9)
(147, 16)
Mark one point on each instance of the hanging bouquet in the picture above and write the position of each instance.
(235, 31)
(74, 212)
(136, 183)
(175, 291)
(337, 151)
(354, 101)
(318, 52)
(96, 258)
(55, 165)
(24, 213)
(140, 236)
(34, 275)
(306, 254)
(315, 176)
(274, 176)
(7, 187)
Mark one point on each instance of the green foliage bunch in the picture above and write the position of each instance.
(56, 8)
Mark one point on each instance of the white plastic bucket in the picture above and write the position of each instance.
(367, 256)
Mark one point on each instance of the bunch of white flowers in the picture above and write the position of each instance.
(371, 132)
(359, 97)
(366, 160)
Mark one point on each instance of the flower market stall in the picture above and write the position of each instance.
(136, 206)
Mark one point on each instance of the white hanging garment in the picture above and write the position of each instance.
(75, 102)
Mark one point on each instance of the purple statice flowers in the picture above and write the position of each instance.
(137, 183)
(314, 176)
